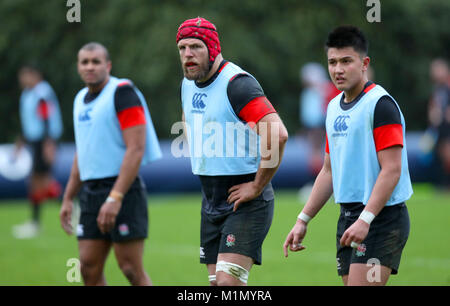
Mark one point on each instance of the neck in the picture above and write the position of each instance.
(93, 88)
(352, 93)
(34, 83)
(213, 69)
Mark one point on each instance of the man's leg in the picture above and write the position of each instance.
(243, 233)
(373, 263)
(93, 254)
(129, 255)
(212, 274)
(43, 156)
(36, 196)
(345, 279)
(38, 183)
(231, 275)
(367, 275)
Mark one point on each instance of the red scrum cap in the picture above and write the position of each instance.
(202, 29)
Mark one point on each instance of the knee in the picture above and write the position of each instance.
(91, 272)
(87, 267)
(227, 280)
(129, 270)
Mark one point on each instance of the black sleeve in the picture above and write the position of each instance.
(241, 90)
(386, 112)
(125, 97)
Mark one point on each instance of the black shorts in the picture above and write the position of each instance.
(132, 220)
(241, 232)
(385, 241)
(40, 165)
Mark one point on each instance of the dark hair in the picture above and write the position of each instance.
(347, 36)
(95, 45)
(30, 68)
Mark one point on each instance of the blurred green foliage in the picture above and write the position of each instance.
(270, 39)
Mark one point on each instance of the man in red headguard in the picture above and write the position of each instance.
(236, 142)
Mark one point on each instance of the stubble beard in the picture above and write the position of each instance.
(198, 75)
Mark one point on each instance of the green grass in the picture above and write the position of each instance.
(172, 250)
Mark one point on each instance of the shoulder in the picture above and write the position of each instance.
(243, 88)
(125, 96)
(243, 80)
(81, 93)
(335, 101)
(43, 89)
(386, 112)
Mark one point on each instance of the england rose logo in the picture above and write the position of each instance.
(361, 251)
(230, 240)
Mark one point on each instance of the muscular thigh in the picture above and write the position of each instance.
(93, 252)
(368, 275)
(245, 230)
(129, 251)
(238, 259)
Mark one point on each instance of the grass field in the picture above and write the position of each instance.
(172, 250)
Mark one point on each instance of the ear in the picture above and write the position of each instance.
(109, 66)
(366, 62)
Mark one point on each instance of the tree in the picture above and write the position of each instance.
(270, 39)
